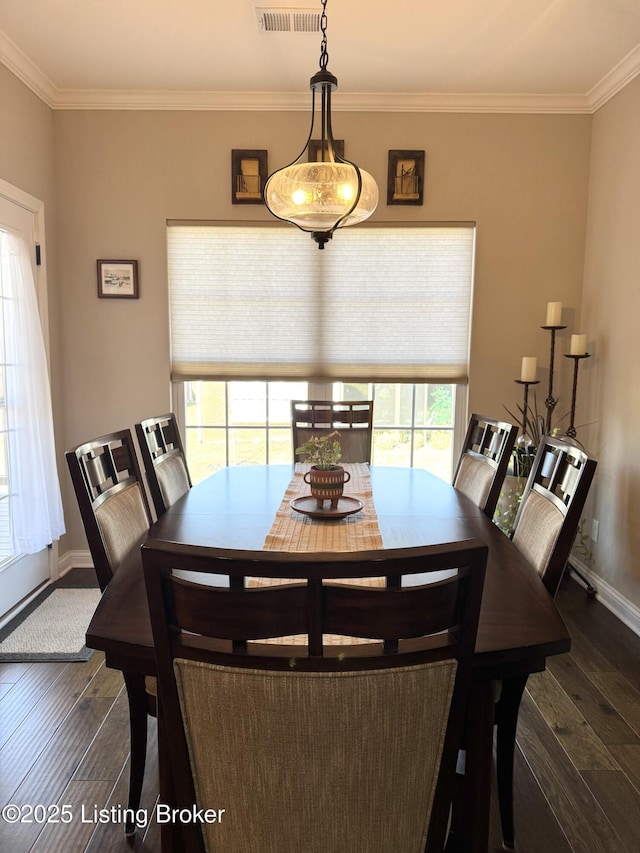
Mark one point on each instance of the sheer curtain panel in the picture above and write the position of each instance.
(36, 506)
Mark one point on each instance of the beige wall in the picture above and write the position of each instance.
(610, 318)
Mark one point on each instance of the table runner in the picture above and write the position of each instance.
(293, 531)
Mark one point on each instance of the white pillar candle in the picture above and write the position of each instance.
(554, 313)
(529, 366)
(578, 345)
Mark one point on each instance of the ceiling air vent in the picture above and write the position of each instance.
(288, 20)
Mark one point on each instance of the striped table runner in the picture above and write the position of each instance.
(293, 531)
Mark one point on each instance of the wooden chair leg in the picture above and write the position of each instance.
(506, 724)
(470, 816)
(138, 734)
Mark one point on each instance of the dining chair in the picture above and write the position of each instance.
(353, 419)
(483, 461)
(164, 460)
(544, 531)
(327, 713)
(115, 513)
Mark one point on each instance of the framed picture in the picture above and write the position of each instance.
(314, 150)
(405, 177)
(118, 279)
(248, 175)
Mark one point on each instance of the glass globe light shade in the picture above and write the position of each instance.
(314, 196)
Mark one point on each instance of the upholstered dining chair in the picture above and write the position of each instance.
(326, 712)
(353, 419)
(544, 531)
(164, 460)
(483, 461)
(115, 513)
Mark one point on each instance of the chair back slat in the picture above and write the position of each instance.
(241, 614)
(396, 613)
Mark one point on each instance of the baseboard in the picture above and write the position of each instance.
(74, 560)
(621, 607)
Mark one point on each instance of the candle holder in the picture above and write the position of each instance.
(525, 440)
(571, 431)
(551, 401)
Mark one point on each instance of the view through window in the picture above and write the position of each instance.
(249, 423)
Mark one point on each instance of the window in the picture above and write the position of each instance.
(248, 423)
(259, 317)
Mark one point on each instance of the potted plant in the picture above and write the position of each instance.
(325, 476)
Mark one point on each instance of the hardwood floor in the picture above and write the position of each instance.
(64, 742)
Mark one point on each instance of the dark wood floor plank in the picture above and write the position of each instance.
(571, 729)
(10, 673)
(18, 702)
(620, 802)
(621, 695)
(80, 797)
(109, 838)
(582, 819)
(619, 645)
(585, 649)
(110, 748)
(21, 750)
(54, 767)
(594, 706)
(537, 828)
(628, 757)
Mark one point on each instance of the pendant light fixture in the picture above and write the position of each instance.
(327, 193)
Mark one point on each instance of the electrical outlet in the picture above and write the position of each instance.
(594, 529)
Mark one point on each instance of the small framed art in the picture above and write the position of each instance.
(405, 177)
(248, 175)
(118, 279)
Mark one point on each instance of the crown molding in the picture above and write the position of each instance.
(420, 102)
(423, 102)
(613, 82)
(19, 64)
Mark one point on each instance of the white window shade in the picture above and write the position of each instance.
(388, 304)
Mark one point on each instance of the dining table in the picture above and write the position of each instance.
(249, 509)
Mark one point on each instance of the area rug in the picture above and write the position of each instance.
(52, 627)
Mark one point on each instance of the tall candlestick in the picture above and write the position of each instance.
(578, 345)
(529, 367)
(554, 313)
(571, 431)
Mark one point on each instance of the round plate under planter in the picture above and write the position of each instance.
(309, 506)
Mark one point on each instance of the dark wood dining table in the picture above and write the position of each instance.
(234, 509)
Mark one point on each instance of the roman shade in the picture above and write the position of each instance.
(386, 304)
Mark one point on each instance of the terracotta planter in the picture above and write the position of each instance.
(327, 484)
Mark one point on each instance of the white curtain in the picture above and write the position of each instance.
(36, 505)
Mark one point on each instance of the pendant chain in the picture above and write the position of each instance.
(324, 56)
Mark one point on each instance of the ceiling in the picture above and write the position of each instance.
(459, 55)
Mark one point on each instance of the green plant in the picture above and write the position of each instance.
(582, 545)
(321, 451)
(536, 421)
